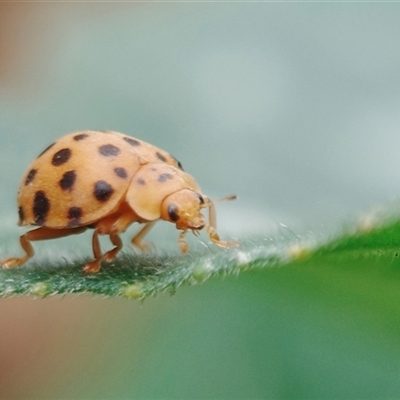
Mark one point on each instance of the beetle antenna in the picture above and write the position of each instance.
(227, 198)
(211, 208)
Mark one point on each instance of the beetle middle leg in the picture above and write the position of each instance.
(95, 265)
(112, 225)
(137, 239)
(117, 242)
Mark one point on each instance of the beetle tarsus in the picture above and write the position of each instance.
(182, 242)
(214, 237)
(13, 262)
(92, 267)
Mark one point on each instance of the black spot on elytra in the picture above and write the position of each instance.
(21, 214)
(74, 216)
(173, 212)
(121, 172)
(68, 180)
(131, 141)
(80, 136)
(46, 149)
(109, 150)
(102, 190)
(61, 157)
(41, 207)
(161, 157)
(140, 181)
(30, 177)
(164, 177)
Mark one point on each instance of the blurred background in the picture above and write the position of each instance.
(292, 106)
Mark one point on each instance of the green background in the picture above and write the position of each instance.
(292, 106)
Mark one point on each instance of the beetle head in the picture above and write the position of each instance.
(183, 208)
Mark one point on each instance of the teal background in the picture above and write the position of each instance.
(292, 106)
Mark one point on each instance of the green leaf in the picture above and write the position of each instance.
(140, 276)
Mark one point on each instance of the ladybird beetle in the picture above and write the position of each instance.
(106, 181)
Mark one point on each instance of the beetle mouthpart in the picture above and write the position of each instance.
(197, 228)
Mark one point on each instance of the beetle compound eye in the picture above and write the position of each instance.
(200, 198)
(173, 212)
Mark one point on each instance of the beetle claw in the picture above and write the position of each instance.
(225, 244)
(92, 267)
(12, 262)
(182, 242)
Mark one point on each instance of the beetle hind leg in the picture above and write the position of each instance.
(42, 233)
(13, 262)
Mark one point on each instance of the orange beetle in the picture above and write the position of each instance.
(106, 181)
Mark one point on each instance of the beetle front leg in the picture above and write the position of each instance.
(214, 237)
(182, 242)
(211, 229)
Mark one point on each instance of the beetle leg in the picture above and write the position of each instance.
(119, 226)
(117, 242)
(137, 239)
(182, 242)
(42, 233)
(214, 237)
(95, 265)
(212, 227)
